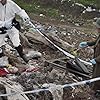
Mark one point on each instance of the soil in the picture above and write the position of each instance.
(86, 33)
(74, 35)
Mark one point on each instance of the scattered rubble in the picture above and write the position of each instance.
(68, 39)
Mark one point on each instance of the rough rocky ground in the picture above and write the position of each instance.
(34, 80)
(69, 31)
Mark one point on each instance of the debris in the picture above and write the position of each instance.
(13, 87)
(4, 61)
(56, 90)
(3, 72)
(32, 69)
(58, 72)
(33, 54)
(41, 15)
(69, 65)
(12, 69)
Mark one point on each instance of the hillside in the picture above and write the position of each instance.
(65, 23)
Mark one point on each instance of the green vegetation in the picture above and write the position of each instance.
(95, 3)
(50, 8)
(86, 2)
(35, 8)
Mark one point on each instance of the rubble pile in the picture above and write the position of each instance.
(45, 76)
